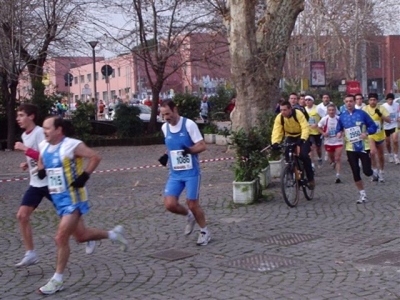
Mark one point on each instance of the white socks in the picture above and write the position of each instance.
(58, 277)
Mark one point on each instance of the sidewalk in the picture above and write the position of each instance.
(328, 248)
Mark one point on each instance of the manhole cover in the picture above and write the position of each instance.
(172, 254)
(385, 258)
(261, 262)
(287, 239)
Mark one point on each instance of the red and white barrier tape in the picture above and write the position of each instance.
(126, 169)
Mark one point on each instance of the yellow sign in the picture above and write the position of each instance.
(46, 79)
(304, 84)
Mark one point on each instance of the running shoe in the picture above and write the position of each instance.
(362, 199)
(52, 287)
(338, 180)
(28, 260)
(319, 162)
(391, 158)
(90, 246)
(396, 161)
(381, 176)
(375, 177)
(204, 238)
(191, 221)
(119, 231)
(311, 184)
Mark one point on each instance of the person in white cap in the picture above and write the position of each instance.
(315, 135)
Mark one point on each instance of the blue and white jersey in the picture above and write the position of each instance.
(183, 134)
(353, 125)
(62, 168)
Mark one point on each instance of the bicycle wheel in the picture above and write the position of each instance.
(290, 186)
(309, 194)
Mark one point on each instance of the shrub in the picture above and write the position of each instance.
(81, 120)
(127, 121)
(249, 160)
(219, 102)
(210, 128)
(188, 105)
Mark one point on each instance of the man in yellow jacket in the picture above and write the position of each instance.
(292, 125)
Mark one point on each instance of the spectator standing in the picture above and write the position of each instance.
(205, 108)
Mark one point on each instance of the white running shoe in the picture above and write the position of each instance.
(90, 246)
(391, 158)
(119, 231)
(204, 238)
(396, 161)
(381, 176)
(191, 221)
(362, 199)
(52, 287)
(28, 260)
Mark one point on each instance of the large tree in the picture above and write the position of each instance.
(259, 34)
(27, 30)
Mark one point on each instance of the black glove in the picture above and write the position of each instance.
(80, 181)
(186, 151)
(163, 160)
(41, 174)
(378, 112)
(300, 142)
(275, 146)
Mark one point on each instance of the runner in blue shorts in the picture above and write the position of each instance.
(184, 142)
(61, 160)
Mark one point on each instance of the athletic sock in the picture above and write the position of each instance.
(112, 235)
(204, 229)
(190, 214)
(362, 193)
(58, 277)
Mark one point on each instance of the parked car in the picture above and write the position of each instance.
(145, 113)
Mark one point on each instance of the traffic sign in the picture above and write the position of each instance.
(106, 70)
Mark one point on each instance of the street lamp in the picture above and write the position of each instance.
(93, 44)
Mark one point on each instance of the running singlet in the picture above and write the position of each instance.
(353, 125)
(393, 111)
(32, 140)
(328, 124)
(62, 168)
(313, 119)
(380, 134)
(181, 166)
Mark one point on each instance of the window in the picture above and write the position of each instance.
(82, 79)
(113, 94)
(113, 73)
(97, 76)
(89, 77)
(119, 72)
(374, 56)
(120, 93)
(76, 98)
(76, 80)
(105, 96)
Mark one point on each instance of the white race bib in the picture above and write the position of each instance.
(353, 134)
(55, 180)
(393, 117)
(311, 121)
(332, 131)
(180, 162)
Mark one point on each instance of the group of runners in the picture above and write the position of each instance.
(361, 129)
(58, 173)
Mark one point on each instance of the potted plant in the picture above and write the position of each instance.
(276, 161)
(223, 137)
(249, 163)
(210, 131)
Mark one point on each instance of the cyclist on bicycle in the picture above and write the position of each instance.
(292, 124)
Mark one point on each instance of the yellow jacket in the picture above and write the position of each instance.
(290, 127)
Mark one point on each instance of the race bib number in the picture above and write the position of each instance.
(378, 125)
(311, 121)
(353, 134)
(55, 180)
(393, 117)
(180, 162)
(332, 131)
(33, 165)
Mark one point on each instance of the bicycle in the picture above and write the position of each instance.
(293, 178)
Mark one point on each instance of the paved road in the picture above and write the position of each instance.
(328, 248)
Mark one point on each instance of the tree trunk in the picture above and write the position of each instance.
(156, 89)
(9, 91)
(258, 55)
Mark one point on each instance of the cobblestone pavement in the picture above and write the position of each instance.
(327, 248)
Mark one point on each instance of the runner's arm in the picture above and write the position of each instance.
(94, 158)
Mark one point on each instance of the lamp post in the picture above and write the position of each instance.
(93, 44)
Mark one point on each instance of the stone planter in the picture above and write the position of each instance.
(265, 177)
(276, 166)
(209, 138)
(245, 192)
